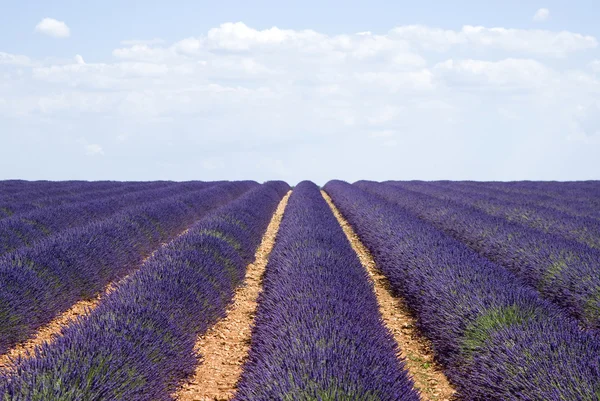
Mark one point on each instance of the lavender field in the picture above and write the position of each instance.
(396, 290)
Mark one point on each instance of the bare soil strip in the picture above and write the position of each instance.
(52, 330)
(224, 347)
(415, 349)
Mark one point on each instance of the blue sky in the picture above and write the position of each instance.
(142, 90)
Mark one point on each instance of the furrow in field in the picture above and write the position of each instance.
(495, 337)
(414, 348)
(138, 344)
(39, 283)
(584, 230)
(49, 332)
(318, 334)
(27, 229)
(225, 346)
(563, 271)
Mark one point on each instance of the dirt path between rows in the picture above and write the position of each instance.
(52, 330)
(415, 349)
(224, 347)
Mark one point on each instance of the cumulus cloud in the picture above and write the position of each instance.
(395, 82)
(99, 75)
(188, 46)
(79, 59)
(364, 103)
(147, 42)
(238, 36)
(505, 74)
(93, 149)
(144, 52)
(54, 28)
(526, 41)
(14, 59)
(541, 15)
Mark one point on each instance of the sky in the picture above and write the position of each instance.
(380, 90)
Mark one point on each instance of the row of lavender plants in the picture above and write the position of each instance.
(139, 342)
(582, 229)
(588, 190)
(17, 189)
(496, 338)
(39, 282)
(318, 333)
(25, 229)
(555, 195)
(565, 272)
(51, 191)
(15, 207)
(572, 207)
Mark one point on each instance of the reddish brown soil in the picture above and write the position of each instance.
(225, 346)
(415, 349)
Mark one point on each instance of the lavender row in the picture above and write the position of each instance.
(49, 190)
(318, 334)
(553, 194)
(140, 341)
(20, 188)
(565, 272)
(560, 190)
(581, 229)
(574, 207)
(497, 339)
(11, 208)
(25, 229)
(547, 198)
(39, 282)
(12, 203)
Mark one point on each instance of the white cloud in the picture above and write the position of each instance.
(422, 80)
(13, 59)
(367, 102)
(238, 36)
(147, 42)
(93, 149)
(188, 46)
(508, 74)
(541, 15)
(527, 41)
(144, 52)
(54, 28)
(98, 75)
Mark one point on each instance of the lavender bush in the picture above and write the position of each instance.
(496, 338)
(318, 333)
(26, 228)
(565, 272)
(139, 342)
(39, 282)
